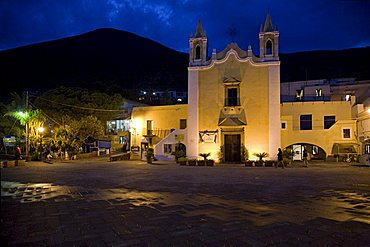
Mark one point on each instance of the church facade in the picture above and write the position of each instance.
(234, 97)
(234, 100)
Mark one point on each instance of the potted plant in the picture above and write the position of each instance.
(244, 153)
(182, 161)
(192, 162)
(260, 157)
(245, 157)
(270, 163)
(205, 156)
(149, 155)
(220, 154)
(210, 162)
(288, 156)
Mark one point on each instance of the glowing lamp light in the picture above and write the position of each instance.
(137, 125)
(22, 114)
(40, 129)
(368, 110)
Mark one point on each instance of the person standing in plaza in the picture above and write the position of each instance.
(305, 161)
(18, 153)
(280, 159)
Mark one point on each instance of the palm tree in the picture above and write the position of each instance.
(261, 155)
(205, 156)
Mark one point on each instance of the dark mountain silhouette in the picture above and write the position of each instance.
(110, 61)
(105, 59)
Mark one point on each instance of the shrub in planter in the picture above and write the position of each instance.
(192, 162)
(205, 156)
(210, 162)
(249, 163)
(149, 155)
(260, 163)
(201, 162)
(182, 161)
(270, 163)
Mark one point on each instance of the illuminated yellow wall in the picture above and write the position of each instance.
(164, 119)
(324, 138)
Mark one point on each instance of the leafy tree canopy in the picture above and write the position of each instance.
(67, 103)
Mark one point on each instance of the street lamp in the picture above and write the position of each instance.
(40, 129)
(24, 118)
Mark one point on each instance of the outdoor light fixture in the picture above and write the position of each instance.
(40, 129)
(22, 114)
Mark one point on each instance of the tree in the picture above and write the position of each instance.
(261, 155)
(205, 156)
(65, 103)
(70, 137)
(21, 117)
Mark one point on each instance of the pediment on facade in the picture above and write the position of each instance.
(231, 121)
(234, 47)
(232, 117)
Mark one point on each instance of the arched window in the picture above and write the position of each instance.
(269, 47)
(197, 52)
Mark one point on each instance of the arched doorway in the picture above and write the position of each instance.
(314, 152)
(180, 150)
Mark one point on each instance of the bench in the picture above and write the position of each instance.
(121, 156)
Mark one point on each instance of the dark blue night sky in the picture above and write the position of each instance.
(303, 24)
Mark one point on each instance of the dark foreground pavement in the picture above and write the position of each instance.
(131, 203)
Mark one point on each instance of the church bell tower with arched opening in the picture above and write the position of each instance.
(269, 41)
(198, 47)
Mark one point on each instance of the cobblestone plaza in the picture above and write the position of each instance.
(131, 203)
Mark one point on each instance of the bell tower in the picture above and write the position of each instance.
(269, 41)
(198, 47)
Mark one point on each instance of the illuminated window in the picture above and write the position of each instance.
(318, 92)
(268, 47)
(348, 97)
(329, 121)
(182, 123)
(122, 140)
(232, 98)
(367, 149)
(167, 148)
(315, 150)
(299, 95)
(306, 122)
(149, 127)
(197, 52)
(346, 133)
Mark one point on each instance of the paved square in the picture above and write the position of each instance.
(130, 203)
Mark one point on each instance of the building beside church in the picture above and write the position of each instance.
(236, 102)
